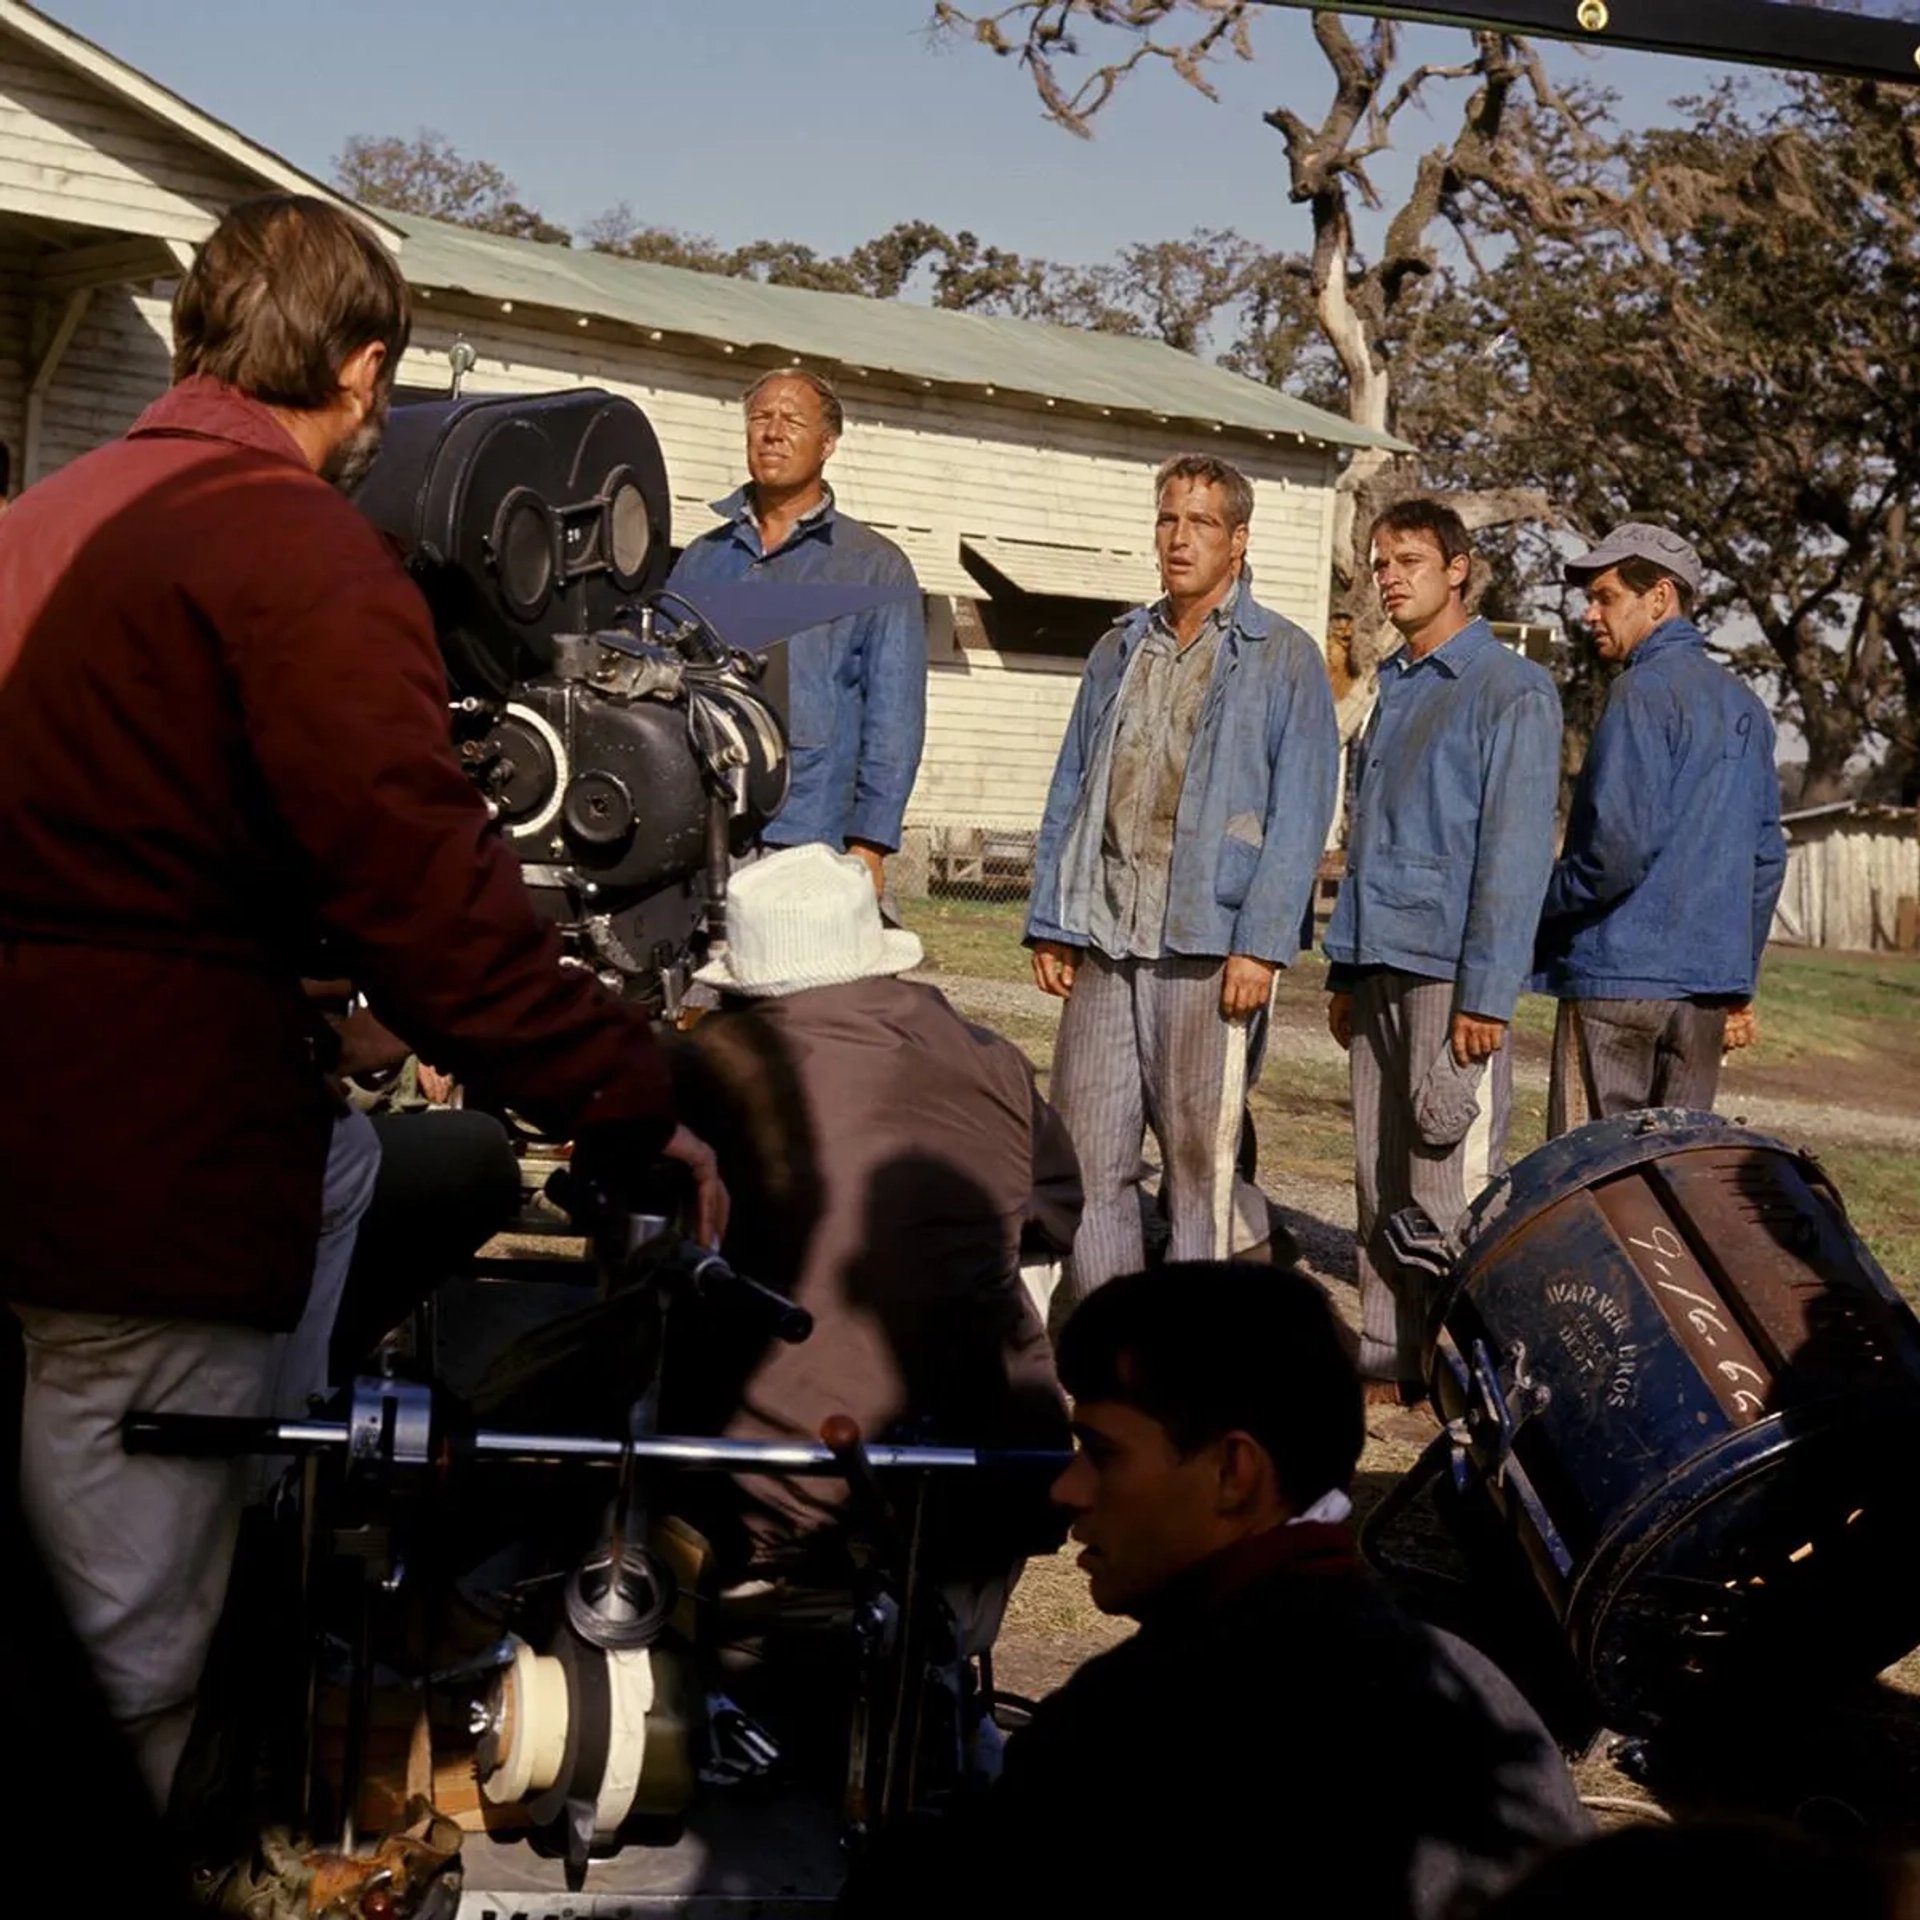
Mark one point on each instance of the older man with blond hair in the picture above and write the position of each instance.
(856, 686)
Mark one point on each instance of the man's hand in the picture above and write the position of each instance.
(435, 1085)
(1477, 1039)
(1743, 1028)
(876, 860)
(1340, 1019)
(1054, 966)
(1246, 986)
(710, 1202)
(366, 1046)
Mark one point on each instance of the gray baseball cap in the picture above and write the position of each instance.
(1637, 540)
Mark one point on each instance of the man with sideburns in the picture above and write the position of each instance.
(1449, 842)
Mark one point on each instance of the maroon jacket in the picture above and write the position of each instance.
(223, 733)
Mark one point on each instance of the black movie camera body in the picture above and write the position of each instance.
(627, 759)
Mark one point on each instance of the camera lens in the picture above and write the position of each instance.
(629, 536)
(523, 553)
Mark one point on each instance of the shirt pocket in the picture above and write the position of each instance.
(1239, 860)
(1408, 905)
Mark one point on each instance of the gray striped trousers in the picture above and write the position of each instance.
(1613, 1056)
(1142, 1046)
(1401, 1021)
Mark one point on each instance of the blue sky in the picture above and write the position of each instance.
(823, 121)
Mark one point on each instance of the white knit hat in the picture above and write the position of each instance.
(805, 917)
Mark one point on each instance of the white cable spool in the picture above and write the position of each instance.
(528, 1732)
(630, 1690)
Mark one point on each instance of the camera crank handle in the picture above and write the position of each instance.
(711, 1273)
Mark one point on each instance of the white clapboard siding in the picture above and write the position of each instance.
(951, 465)
(16, 324)
(115, 365)
(74, 153)
(994, 726)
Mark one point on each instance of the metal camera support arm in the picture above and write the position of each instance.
(392, 1423)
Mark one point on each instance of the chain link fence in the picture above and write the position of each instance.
(992, 866)
(960, 861)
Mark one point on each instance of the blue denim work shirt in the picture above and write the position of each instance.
(1450, 836)
(1674, 854)
(857, 687)
(1262, 774)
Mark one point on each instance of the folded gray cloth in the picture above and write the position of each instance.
(1446, 1103)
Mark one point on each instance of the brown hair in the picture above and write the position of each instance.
(1642, 576)
(833, 416)
(284, 291)
(1439, 523)
(1212, 472)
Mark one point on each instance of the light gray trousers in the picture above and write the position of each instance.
(140, 1546)
(1401, 1022)
(1142, 1046)
(1613, 1056)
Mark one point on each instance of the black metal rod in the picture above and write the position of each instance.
(1802, 36)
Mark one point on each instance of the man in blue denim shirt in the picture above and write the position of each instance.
(1187, 814)
(1449, 843)
(857, 687)
(1660, 904)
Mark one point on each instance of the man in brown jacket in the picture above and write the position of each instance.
(223, 737)
(886, 1160)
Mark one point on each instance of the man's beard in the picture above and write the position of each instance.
(347, 465)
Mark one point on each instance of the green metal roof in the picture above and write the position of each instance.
(1102, 370)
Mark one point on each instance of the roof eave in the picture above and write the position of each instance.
(75, 51)
(1344, 435)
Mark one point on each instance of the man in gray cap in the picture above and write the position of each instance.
(1658, 909)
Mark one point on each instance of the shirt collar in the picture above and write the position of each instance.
(1677, 632)
(208, 409)
(737, 510)
(1239, 612)
(1310, 1547)
(1453, 656)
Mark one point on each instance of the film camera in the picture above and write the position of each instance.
(627, 750)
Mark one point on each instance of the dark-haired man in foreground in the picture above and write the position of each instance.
(1277, 1730)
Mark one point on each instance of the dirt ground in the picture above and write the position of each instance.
(1841, 1764)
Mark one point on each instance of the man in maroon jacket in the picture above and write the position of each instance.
(223, 735)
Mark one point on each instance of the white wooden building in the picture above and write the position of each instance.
(1013, 461)
(1853, 877)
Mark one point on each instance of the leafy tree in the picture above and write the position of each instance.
(1522, 152)
(427, 175)
(1738, 354)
